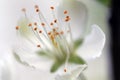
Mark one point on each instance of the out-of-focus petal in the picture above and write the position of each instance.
(98, 14)
(93, 44)
(78, 13)
(4, 71)
(7, 69)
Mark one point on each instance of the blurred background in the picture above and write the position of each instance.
(105, 13)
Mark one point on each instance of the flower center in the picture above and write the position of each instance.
(53, 32)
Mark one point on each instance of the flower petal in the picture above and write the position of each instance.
(78, 13)
(25, 53)
(73, 74)
(7, 68)
(4, 71)
(93, 44)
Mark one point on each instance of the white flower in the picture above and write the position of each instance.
(57, 40)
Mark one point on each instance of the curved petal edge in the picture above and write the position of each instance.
(93, 44)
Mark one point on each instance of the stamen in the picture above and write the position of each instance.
(42, 19)
(38, 46)
(67, 16)
(55, 21)
(40, 31)
(57, 33)
(55, 36)
(51, 23)
(65, 12)
(65, 70)
(17, 27)
(66, 20)
(36, 33)
(43, 24)
(29, 24)
(52, 8)
(35, 23)
(52, 37)
(37, 10)
(36, 6)
(64, 41)
(54, 29)
(24, 10)
(49, 33)
(35, 28)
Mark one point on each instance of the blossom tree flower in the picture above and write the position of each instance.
(57, 40)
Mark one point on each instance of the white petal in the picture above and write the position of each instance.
(7, 69)
(78, 13)
(4, 71)
(27, 54)
(93, 44)
(72, 74)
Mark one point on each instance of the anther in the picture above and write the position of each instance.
(36, 6)
(65, 12)
(51, 23)
(55, 21)
(40, 31)
(24, 10)
(43, 24)
(37, 10)
(52, 8)
(35, 23)
(54, 29)
(57, 33)
(49, 33)
(67, 19)
(29, 24)
(17, 27)
(35, 28)
(67, 16)
(38, 45)
(65, 70)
